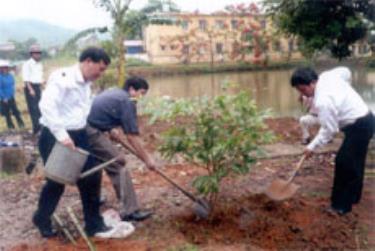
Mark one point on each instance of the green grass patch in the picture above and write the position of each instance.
(184, 247)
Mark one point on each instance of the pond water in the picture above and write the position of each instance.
(270, 89)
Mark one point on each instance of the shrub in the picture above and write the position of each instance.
(223, 137)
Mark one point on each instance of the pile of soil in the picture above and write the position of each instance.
(244, 218)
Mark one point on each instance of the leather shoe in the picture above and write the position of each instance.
(138, 215)
(306, 141)
(44, 227)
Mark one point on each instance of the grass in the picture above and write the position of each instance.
(184, 247)
(6, 176)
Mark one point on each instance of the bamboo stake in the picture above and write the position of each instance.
(80, 230)
(64, 229)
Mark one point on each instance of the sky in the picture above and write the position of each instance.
(81, 14)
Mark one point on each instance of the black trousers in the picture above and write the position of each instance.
(8, 108)
(33, 106)
(89, 187)
(350, 163)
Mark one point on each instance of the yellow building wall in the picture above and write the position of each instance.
(164, 43)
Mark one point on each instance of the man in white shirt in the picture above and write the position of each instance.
(32, 75)
(65, 105)
(309, 119)
(339, 108)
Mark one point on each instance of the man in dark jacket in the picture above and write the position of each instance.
(111, 109)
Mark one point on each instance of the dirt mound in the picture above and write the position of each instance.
(298, 224)
(112, 245)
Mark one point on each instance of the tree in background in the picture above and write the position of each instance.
(136, 20)
(71, 45)
(253, 36)
(117, 10)
(324, 24)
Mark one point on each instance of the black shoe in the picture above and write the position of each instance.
(138, 215)
(44, 227)
(306, 141)
(98, 230)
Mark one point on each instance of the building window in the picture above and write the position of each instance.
(173, 47)
(219, 24)
(234, 24)
(219, 48)
(162, 47)
(184, 24)
(202, 25)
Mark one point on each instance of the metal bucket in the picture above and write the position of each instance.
(64, 165)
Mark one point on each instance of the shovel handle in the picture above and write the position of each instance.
(298, 166)
(189, 195)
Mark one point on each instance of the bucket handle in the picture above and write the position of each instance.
(96, 168)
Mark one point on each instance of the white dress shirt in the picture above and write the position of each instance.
(338, 105)
(32, 71)
(66, 101)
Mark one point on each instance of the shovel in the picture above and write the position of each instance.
(284, 189)
(202, 207)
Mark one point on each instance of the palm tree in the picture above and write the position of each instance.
(117, 10)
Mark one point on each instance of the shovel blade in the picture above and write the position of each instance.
(281, 190)
(202, 208)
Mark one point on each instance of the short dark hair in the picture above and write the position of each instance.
(303, 76)
(135, 82)
(96, 54)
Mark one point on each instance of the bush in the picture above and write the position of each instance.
(223, 137)
(108, 79)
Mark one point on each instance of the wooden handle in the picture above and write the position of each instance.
(298, 166)
(162, 174)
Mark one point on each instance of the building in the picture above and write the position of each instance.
(135, 49)
(215, 38)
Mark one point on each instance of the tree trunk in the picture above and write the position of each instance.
(121, 60)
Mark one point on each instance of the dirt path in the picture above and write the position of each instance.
(245, 219)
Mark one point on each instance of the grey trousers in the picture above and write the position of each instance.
(102, 146)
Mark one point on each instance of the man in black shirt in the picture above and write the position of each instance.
(111, 109)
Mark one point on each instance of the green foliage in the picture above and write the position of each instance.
(153, 6)
(223, 136)
(70, 46)
(107, 80)
(185, 247)
(134, 23)
(136, 62)
(166, 109)
(21, 51)
(344, 23)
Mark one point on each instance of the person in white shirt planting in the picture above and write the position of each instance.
(340, 108)
(65, 105)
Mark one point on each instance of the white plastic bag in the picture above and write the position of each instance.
(120, 229)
